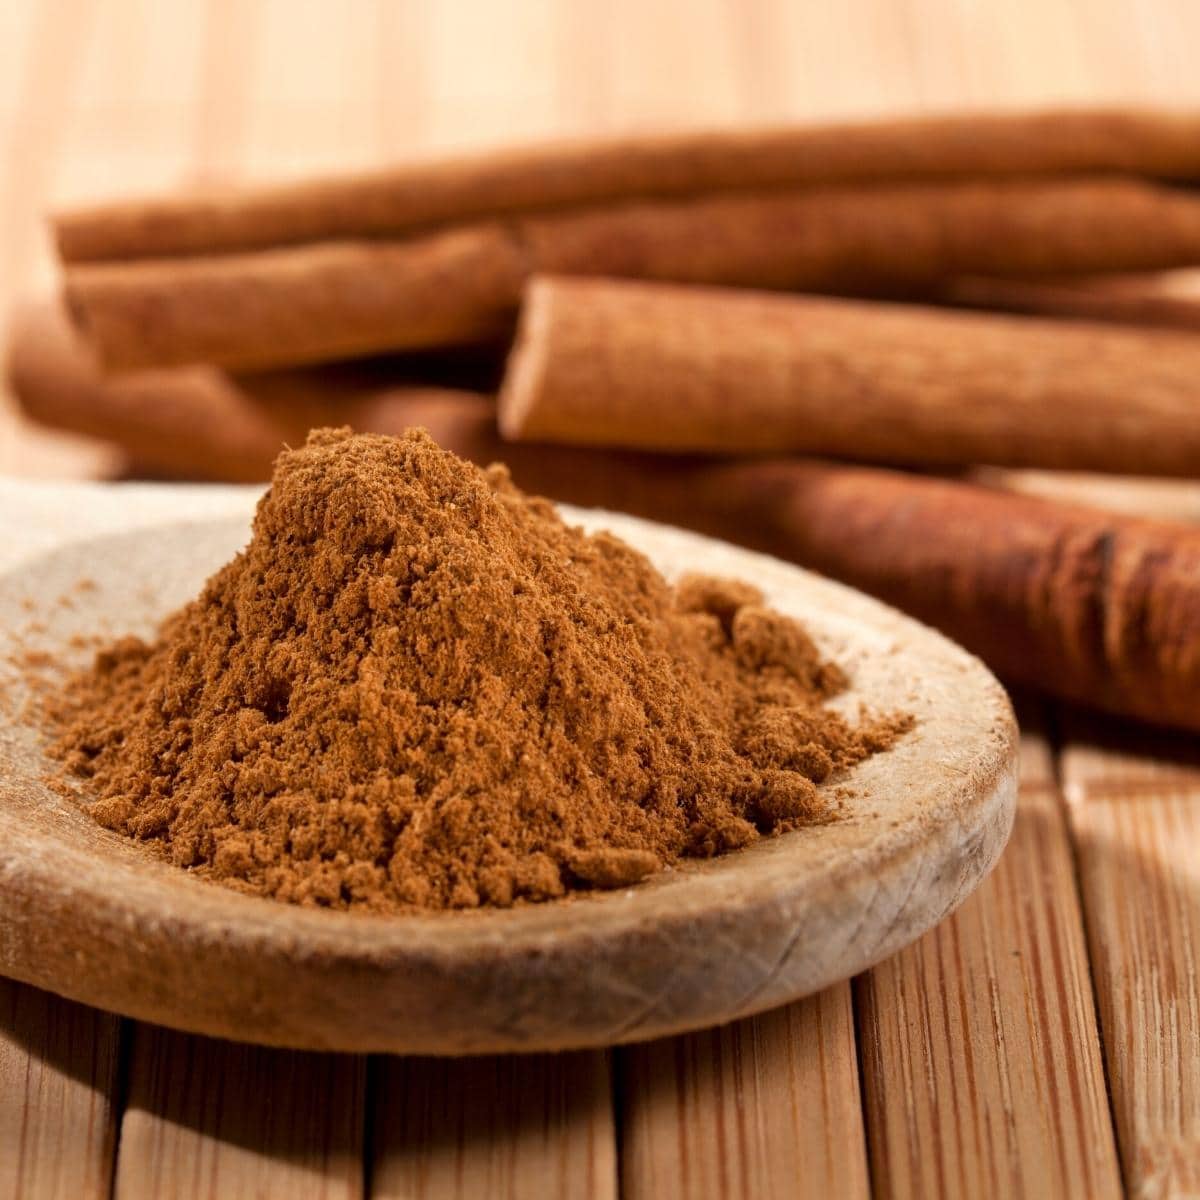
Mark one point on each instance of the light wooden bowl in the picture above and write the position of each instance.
(90, 915)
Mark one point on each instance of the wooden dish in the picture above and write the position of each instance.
(93, 916)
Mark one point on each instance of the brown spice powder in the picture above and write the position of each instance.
(418, 687)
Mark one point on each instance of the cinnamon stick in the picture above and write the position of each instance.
(326, 300)
(203, 423)
(1162, 144)
(662, 367)
(894, 237)
(1097, 607)
(299, 305)
(1168, 300)
(1133, 495)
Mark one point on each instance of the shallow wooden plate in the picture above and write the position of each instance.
(90, 915)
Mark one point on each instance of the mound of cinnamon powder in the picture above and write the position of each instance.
(418, 687)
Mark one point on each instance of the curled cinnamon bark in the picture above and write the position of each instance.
(1100, 608)
(320, 301)
(1161, 144)
(1167, 300)
(204, 423)
(660, 367)
(299, 305)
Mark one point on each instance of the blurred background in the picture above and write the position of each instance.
(108, 98)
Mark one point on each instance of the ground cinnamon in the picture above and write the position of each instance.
(1128, 141)
(417, 686)
(663, 367)
(288, 305)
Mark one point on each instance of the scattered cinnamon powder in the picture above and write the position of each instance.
(418, 687)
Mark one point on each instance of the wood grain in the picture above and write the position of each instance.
(764, 1109)
(531, 1126)
(208, 1119)
(981, 1063)
(1133, 801)
(58, 1096)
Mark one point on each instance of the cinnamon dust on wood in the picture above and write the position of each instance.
(417, 686)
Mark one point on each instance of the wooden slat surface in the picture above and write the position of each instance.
(1133, 801)
(982, 1069)
(762, 1109)
(58, 1092)
(512, 1128)
(226, 1122)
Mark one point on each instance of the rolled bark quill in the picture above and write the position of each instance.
(1131, 495)
(202, 423)
(661, 367)
(1097, 607)
(1167, 300)
(298, 305)
(320, 301)
(1157, 144)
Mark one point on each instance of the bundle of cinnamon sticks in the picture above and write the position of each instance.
(676, 326)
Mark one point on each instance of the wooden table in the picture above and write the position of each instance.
(1045, 1041)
